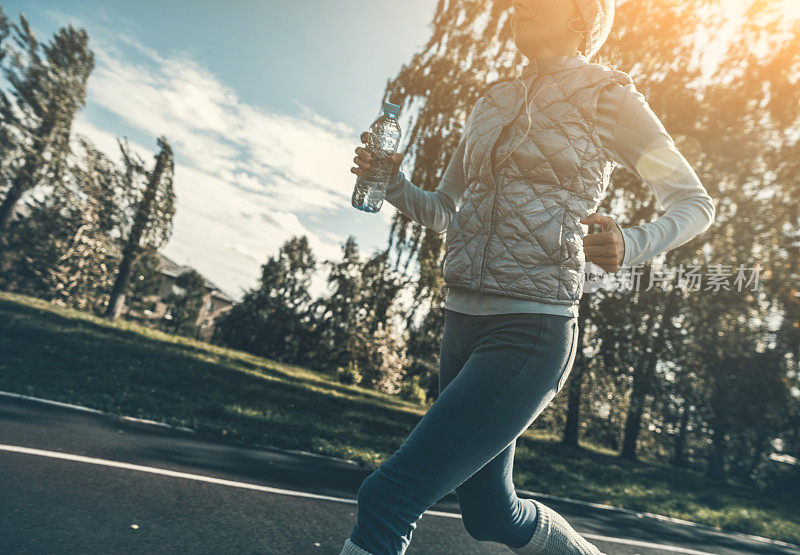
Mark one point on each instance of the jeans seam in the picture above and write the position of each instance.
(573, 352)
(491, 411)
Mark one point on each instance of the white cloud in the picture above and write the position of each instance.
(243, 173)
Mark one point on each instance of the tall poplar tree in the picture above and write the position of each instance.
(153, 212)
(46, 88)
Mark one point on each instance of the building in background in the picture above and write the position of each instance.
(155, 308)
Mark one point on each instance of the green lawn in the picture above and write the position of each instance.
(123, 368)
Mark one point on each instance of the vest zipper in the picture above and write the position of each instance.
(494, 199)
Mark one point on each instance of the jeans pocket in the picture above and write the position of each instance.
(573, 350)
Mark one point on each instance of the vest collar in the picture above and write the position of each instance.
(509, 104)
(550, 64)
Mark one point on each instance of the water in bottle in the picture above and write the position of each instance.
(383, 140)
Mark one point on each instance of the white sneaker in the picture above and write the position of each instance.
(554, 536)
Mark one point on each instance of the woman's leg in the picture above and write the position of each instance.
(490, 507)
(512, 373)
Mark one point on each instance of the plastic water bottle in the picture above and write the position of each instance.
(383, 140)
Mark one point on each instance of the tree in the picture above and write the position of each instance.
(747, 394)
(737, 126)
(47, 87)
(272, 319)
(374, 343)
(153, 214)
(145, 277)
(380, 356)
(8, 143)
(379, 290)
(354, 315)
(337, 313)
(62, 246)
(185, 302)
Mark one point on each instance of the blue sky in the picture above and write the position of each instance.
(263, 103)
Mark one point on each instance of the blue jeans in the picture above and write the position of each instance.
(497, 374)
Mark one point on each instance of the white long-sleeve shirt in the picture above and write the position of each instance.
(633, 137)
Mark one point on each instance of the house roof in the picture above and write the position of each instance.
(172, 268)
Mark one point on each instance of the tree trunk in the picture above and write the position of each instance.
(574, 394)
(13, 196)
(117, 298)
(633, 423)
(642, 382)
(758, 451)
(131, 249)
(716, 463)
(679, 458)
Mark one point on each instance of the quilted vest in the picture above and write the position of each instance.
(517, 230)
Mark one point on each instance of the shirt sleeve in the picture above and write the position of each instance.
(634, 137)
(433, 209)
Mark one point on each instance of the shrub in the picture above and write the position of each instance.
(411, 390)
(350, 374)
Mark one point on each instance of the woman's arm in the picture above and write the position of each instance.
(634, 137)
(433, 209)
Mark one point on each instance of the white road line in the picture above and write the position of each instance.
(180, 428)
(662, 547)
(165, 472)
(639, 514)
(50, 402)
(281, 491)
(93, 411)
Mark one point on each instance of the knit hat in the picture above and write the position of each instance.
(599, 17)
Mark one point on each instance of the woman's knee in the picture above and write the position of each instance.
(369, 493)
(378, 494)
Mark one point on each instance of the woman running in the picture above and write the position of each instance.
(532, 166)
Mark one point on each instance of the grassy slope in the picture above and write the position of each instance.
(123, 368)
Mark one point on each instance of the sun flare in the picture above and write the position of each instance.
(791, 8)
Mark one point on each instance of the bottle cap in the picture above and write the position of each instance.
(389, 108)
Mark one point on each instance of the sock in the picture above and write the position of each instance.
(554, 536)
(350, 548)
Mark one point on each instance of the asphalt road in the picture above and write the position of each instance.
(75, 482)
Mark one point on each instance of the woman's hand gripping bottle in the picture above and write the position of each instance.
(376, 162)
